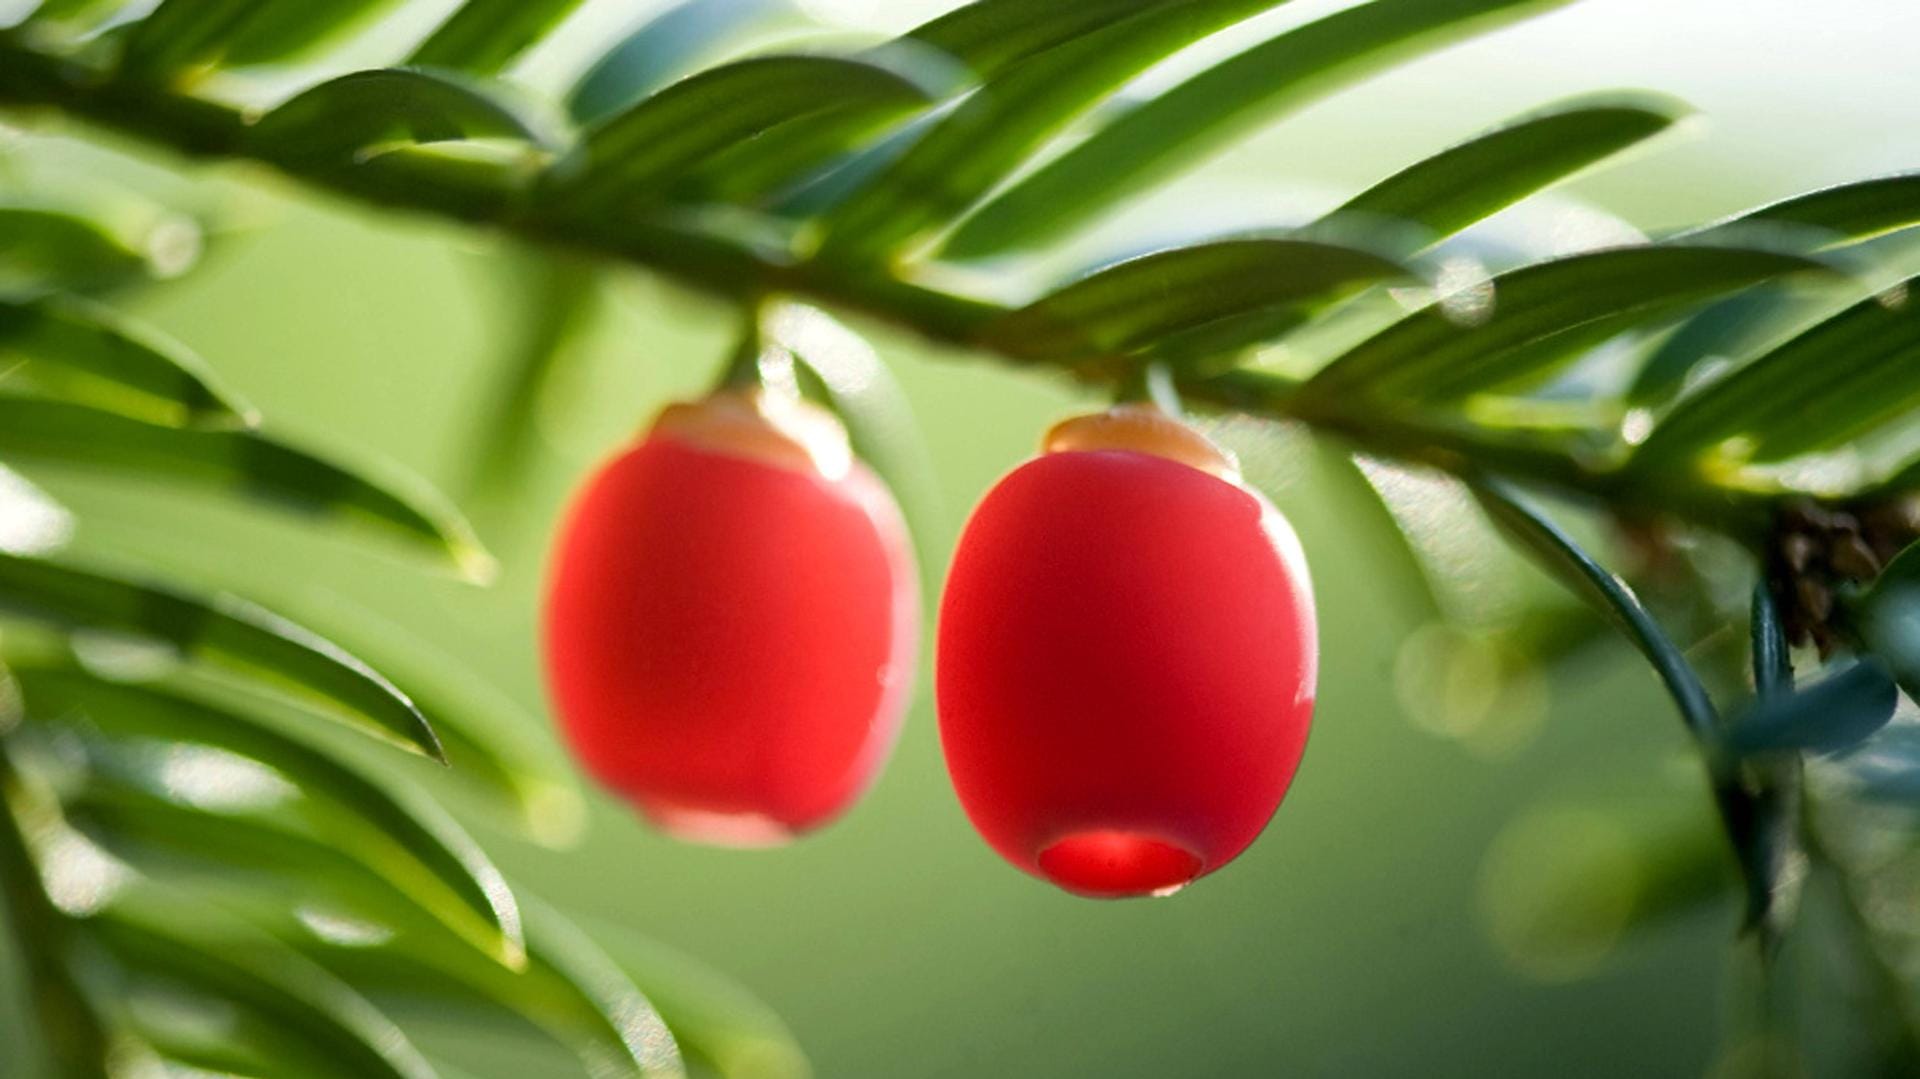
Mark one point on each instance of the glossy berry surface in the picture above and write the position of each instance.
(730, 625)
(1126, 661)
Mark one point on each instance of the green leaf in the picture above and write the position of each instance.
(1198, 116)
(341, 120)
(45, 248)
(989, 35)
(1772, 657)
(182, 34)
(408, 839)
(519, 778)
(1222, 338)
(570, 989)
(285, 1008)
(827, 186)
(1134, 303)
(1829, 716)
(486, 735)
(1849, 212)
(84, 352)
(485, 36)
(785, 155)
(63, 1035)
(1887, 616)
(241, 462)
(1520, 369)
(230, 852)
(1722, 331)
(985, 139)
(1835, 380)
(719, 1025)
(1558, 554)
(1453, 348)
(668, 46)
(227, 634)
(65, 10)
(301, 859)
(644, 148)
(1456, 187)
(279, 30)
(613, 1008)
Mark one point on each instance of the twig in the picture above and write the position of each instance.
(498, 194)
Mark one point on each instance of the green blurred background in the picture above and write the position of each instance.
(1361, 935)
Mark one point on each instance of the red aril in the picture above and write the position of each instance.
(731, 618)
(1126, 658)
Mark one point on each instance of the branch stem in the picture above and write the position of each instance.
(497, 193)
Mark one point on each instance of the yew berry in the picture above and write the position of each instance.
(1126, 658)
(731, 619)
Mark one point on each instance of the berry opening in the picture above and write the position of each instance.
(1114, 865)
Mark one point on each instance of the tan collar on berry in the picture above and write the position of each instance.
(1142, 428)
(771, 428)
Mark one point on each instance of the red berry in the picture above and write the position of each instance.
(731, 622)
(1126, 659)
